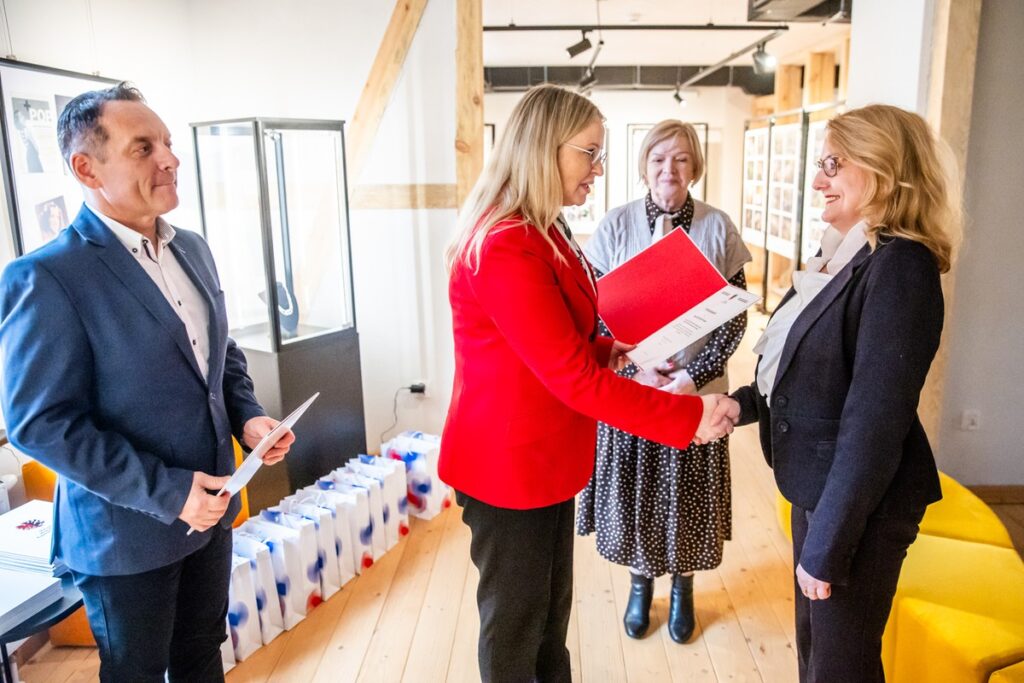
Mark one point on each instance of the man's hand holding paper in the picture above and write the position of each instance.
(257, 428)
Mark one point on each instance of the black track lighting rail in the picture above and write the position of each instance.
(640, 27)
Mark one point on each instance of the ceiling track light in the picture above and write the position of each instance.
(764, 63)
(588, 81)
(678, 97)
(580, 47)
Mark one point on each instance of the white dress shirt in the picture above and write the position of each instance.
(177, 287)
(836, 251)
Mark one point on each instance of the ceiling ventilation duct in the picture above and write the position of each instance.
(799, 10)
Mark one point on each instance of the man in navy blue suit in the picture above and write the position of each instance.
(118, 373)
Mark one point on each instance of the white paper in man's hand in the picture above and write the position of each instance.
(254, 460)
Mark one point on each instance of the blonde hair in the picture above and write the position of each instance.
(521, 178)
(666, 130)
(912, 184)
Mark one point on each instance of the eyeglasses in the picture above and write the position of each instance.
(830, 165)
(597, 156)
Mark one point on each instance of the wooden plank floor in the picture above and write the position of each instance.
(412, 616)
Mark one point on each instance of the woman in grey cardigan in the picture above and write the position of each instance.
(657, 509)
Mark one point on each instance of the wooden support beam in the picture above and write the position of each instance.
(763, 106)
(435, 196)
(788, 87)
(843, 86)
(950, 99)
(469, 96)
(387, 66)
(821, 78)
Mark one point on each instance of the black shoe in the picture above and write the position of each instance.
(638, 610)
(680, 610)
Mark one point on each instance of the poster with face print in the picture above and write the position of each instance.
(41, 195)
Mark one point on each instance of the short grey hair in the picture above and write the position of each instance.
(78, 127)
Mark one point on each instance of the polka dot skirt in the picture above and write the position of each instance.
(656, 508)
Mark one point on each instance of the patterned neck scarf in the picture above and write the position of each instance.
(682, 218)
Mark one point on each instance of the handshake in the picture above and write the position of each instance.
(721, 414)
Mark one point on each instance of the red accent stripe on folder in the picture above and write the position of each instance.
(655, 287)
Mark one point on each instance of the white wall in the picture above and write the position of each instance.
(890, 53)
(723, 109)
(985, 372)
(199, 60)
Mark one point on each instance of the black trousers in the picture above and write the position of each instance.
(170, 619)
(525, 593)
(839, 640)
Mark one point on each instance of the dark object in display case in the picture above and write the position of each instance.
(274, 205)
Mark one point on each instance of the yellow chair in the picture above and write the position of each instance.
(74, 630)
(783, 513)
(243, 514)
(1011, 674)
(939, 644)
(970, 577)
(961, 514)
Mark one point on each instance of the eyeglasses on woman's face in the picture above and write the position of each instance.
(829, 165)
(597, 156)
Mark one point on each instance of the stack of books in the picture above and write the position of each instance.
(25, 534)
(25, 594)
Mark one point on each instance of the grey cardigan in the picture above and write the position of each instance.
(624, 232)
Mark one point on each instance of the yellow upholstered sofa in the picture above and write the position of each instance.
(958, 614)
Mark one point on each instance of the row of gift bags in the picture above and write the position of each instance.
(296, 554)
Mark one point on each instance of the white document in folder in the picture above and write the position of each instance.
(254, 460)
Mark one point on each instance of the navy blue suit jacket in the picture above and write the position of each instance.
(100, 383)
(842, 433)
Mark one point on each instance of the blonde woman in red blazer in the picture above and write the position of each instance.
(532, 378)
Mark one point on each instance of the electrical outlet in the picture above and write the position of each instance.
(970, 420)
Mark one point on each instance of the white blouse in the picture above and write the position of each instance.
(836, 251)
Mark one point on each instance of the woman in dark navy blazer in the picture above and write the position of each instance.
(843, 361)
(532, 379)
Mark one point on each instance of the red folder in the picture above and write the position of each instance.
(655, 287)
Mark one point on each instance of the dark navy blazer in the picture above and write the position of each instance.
(100, 383)
(842, 433)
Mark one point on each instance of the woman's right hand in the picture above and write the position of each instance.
(714, 421)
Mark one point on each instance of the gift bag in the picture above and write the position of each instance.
(294, 587)
(227, 653)
(327, 550)
(391, 475)
(376, 501)
(267, 603)
(340, 513)
(243, 615)
(309, 549)
(428, 495)
(357, 504)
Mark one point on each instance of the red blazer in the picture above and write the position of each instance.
(531, 377)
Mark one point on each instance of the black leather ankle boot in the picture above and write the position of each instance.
(638, 610)
(680, 610)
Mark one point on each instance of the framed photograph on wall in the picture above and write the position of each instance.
(783, 187)
(755, 178)
(635, 134)
(41, 194)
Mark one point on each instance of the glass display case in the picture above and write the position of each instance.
(274, 206)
